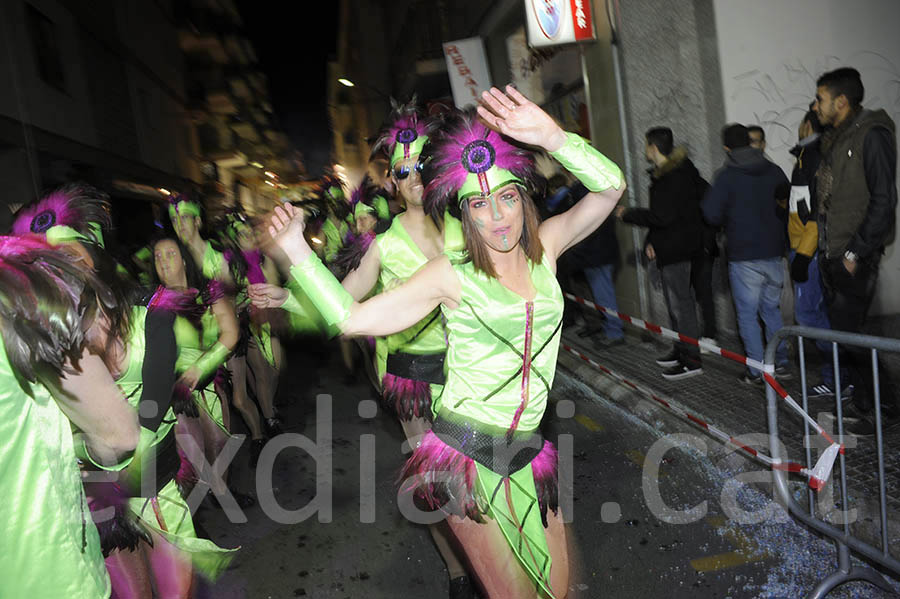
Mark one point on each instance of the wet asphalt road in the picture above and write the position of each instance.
(627, 545)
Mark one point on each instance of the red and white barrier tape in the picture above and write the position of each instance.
(820, 472)
(678, 411)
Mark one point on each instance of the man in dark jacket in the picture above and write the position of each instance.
(856, 188)
(742, 197)
(803, 238)
(676, 237)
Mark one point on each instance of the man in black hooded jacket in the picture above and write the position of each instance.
(676, 237)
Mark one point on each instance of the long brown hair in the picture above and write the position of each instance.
(530, 240)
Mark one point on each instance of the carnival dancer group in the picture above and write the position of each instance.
(117, 380)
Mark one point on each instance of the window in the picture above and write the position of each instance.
(46, 51)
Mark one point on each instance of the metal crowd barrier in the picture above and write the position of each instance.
(844, 540)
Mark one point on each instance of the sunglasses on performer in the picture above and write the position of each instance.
(403, 172)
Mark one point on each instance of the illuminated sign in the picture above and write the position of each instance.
(553, 22)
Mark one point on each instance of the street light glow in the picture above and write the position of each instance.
(346, 82)
(271, 175)
(164, 191)
(269, 183)
(256, 164)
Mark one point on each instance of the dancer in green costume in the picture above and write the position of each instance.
(204, 344)
(409, 363)
(161, 548)
(257, 359)
(49, 545)
(485, 462)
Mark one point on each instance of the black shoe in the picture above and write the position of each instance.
(850, 411)
(682, 371)
(861, 428)
(670, 359)
(256, 447)
(753, 381)
(783, 373)
(273, 427)
(587, 332)
(825, 391)
(461, 588)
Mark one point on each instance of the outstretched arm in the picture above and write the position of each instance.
(515, 116)
(386, 313)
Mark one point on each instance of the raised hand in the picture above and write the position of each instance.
(266, 295)
(515, 116)
(286, 230)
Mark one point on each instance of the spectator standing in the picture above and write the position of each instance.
(803, 237)
(856, 188)
(597, 256)
(674, 240)
(757, 138)
(742, 198)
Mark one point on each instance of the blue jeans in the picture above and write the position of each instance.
(600, 278)
(810, 311)
(756, 290)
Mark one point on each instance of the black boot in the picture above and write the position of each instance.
(273, 427)
(462, 588)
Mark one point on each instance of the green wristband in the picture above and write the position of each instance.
(596, 171)
(325, 291)
(292, 305)
(211, 360)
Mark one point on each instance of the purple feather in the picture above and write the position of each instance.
(544, 470)
(183, 303)
(254, 267)
(407, 398)
(404, 125)
(444, 478)
(74, 205)
(350, 256)
(117, 526)
(448, 168)
(215, 290)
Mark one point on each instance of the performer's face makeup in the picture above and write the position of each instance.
(499, 217)
(169, 264)
(186, 226)
(410, 186)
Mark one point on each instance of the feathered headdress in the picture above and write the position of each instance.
(469, 159)
(369, 198)
(183, 204)
(330, 190)
(405, 132)
(41, 308)
(74, 212)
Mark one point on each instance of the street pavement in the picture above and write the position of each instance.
(634, 534)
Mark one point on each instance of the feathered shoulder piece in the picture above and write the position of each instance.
(72, 212)
(368, 197)
(180, 302)
(405, 132)
(330, 190)
(467, 159)
(45, 304)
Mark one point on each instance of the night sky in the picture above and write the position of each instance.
(293, 42)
